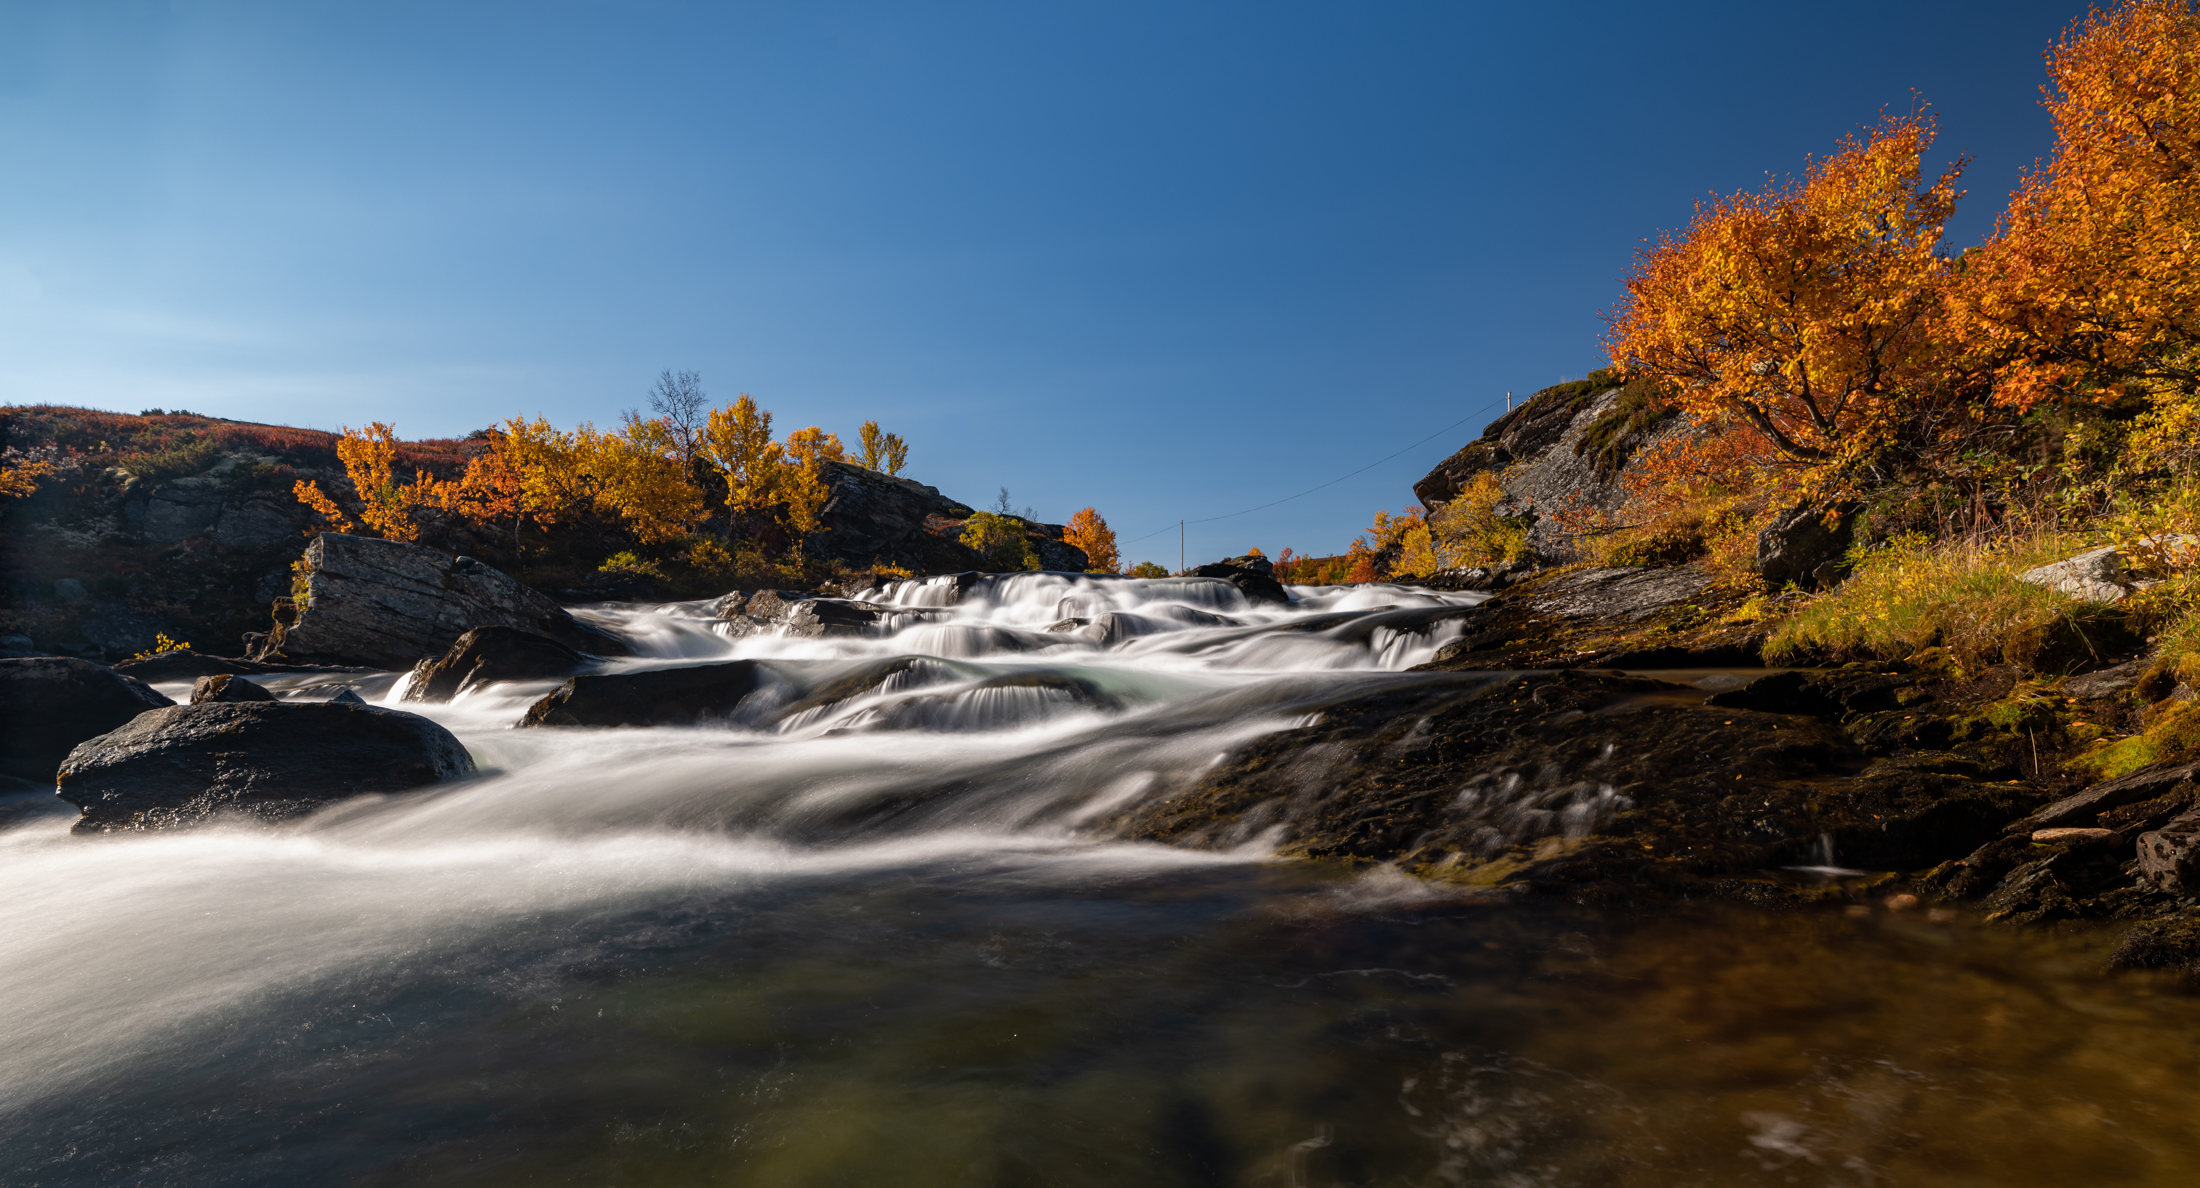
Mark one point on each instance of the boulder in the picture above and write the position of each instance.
(226, 687)
(49, 704)
(384, 604)
(2169, 857)
(486, 655)
(190, 666)
(2096, 575)
(2145, 784)
(1619, 593)
(2107, 682)
(1806, 546)
(694, 695)
(184, 764)
(870, 518)
(1252, 575)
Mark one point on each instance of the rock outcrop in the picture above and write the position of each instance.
(187, 764)
(871, 518)
(1806, 547)
(1253, 576)
(695, 695)
(1560, 456)
(486, 655)
(384, 604)
(50, 704)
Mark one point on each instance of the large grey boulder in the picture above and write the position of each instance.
(49, 704)
(1620, 592)
(385, 604)
(2105, 574)
(188, 763)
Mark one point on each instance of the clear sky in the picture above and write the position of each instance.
(1170, 259)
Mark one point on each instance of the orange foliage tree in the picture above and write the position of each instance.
(1810, 311)
(1089, 530)
(2094, 273)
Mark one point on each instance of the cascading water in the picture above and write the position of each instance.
(862, 931)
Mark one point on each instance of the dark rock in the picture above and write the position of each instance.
(486, 655)
(1253, 576)
(2145, 784)
(1059, 555)
(1741, 655)
(1618, 593)
(384, 604)
(189, 666)
(2169, 943)
(184, 764)
(871, 518)
(2107, 682)
(688, 696)
(226, 687)
(1819, 694)
(347, 696)
(50, 704)
(1802, 547)
(2169, 857)
(969, 709)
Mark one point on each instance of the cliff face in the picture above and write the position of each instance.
(127, 541)
(1562, 457)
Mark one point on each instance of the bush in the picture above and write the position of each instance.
(1912, 594)
(1001, 541)
(1147, 569)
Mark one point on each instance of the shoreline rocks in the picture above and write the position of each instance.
(188, 764)
(695, 695)
(384, 604)
(50, 704)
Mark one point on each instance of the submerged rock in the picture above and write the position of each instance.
(48, 704)
(695, 695)
(486, 655)
(384, 604)
(185, 764)
(190, 666)
(226, 687)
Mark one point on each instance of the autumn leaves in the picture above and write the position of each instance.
(656, 477)
(1823, 324)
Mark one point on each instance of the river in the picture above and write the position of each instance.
(878, 940)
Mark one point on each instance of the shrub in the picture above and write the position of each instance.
(1147, 569)
(1001, 541)
(629, 565)
(1912, 594)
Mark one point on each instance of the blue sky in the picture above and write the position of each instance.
(1171, 259)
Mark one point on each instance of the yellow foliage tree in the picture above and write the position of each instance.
(1088, 530)
(738, 441)
(803, 487)
(369, 456)
(882, 451)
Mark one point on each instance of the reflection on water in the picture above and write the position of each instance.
(862, 939)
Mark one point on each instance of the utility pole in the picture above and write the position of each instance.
(1180, 566)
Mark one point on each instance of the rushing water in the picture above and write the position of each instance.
(869, 938)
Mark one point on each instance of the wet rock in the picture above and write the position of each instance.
(1805, 546)
(2056, 886)
(189, 666)
(1619, 593)
(226, 687)
(2145, 784)
(1253, 576)
(2169, 857)
(1819, 694)
(991, 704)
(899, 672)
(50, 704)
(487, 655)
(1747, 654)
(2073, 835)
(384, 604)
(2172, 943)
(696, 695)
(185, 764)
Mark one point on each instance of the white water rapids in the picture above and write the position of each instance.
(127, 950)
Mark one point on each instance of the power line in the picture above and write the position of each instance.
(1331, 483)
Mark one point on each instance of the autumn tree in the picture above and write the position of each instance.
(885, 452)
(1811, 311)
(804, 488)
(369, 456)
(738, 440)
(490, 490)
(19, 477)
(2093, 275)
(682, 409)
(1089, 531)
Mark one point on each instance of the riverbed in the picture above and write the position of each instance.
(884, 939)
